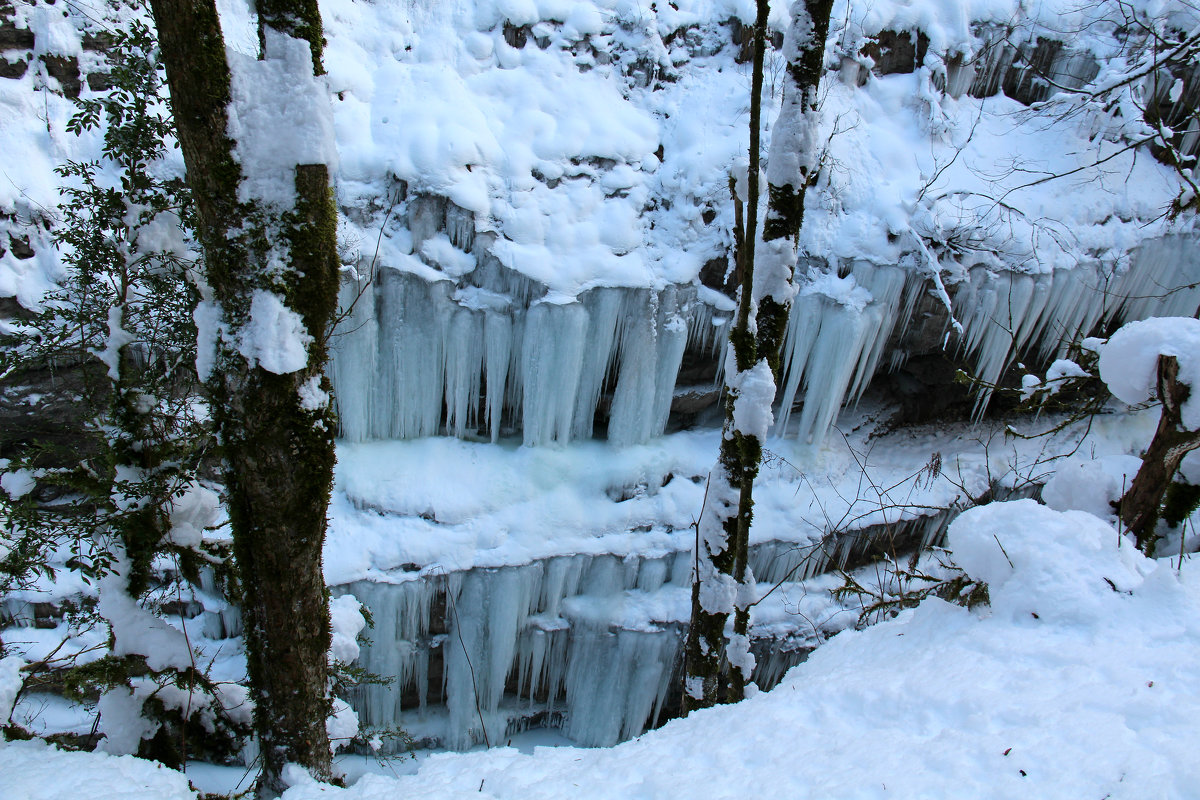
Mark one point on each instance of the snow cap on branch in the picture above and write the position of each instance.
(1129, 361)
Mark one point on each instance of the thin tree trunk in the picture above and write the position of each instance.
(717, 668)
(1141, 505)
(277, 442)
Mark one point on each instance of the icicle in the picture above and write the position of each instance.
(886, 285)
(489, 609)
(497, 348)
(399, 646)
(1156, 268)
(653, 338)
(460, 226)
(636, 669)
(831, 366)
(652, 574)
(604, 310)
(464, 355)
(412, 366)
(552, 357)
(773, 660)
(803, 324)
(355, 349)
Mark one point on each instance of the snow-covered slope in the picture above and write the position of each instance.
(1064, 687)
(560, 173)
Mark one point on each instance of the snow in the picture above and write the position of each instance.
(442, 502)
(1044, 564)
(1091, 485)
(1129, 361)
(861, 713)
(342, 725)
(193, 510)
(557, 543)
(137, 631)
(1061, 370)
(274, 337)
(122, 722)
(754, 393)
(279, 117)
(117, 338)
(1097, 695)
(312, 396)
(346, 623)
(36, 771)
(207, 316)
(10, 683)
(18, 482)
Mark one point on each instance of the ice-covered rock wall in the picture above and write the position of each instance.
(421, 358)
(590, 644)
(539, 268)
(837, 338)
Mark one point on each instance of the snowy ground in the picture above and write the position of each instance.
(1065, 687)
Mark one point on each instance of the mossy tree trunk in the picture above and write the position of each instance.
(275, 423)
(718, 667)
(1141, 505)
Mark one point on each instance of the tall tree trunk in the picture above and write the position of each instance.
(272, 415)
(717, 668)
(1141, 505)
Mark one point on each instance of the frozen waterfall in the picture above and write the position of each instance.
(419, 358)
(591, 644)
(422, 358)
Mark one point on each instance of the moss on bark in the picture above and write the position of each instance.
(712, 679)
(279, 454)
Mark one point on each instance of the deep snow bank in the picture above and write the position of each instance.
(1066, 687)
(1081, 680)
(36, 771)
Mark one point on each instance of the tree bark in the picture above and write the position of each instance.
(1141, 505)
(278, 447)
(717, 669)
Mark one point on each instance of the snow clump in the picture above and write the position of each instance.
(1091, 485)
(347, 621)
(275, 337)
(193, 510)
(10, 683)
(1044, 564)
(1129, 362)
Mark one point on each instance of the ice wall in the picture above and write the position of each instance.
(836, 338)
(416, 357)
(588, 643)
(422, 358)
(499, 645)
